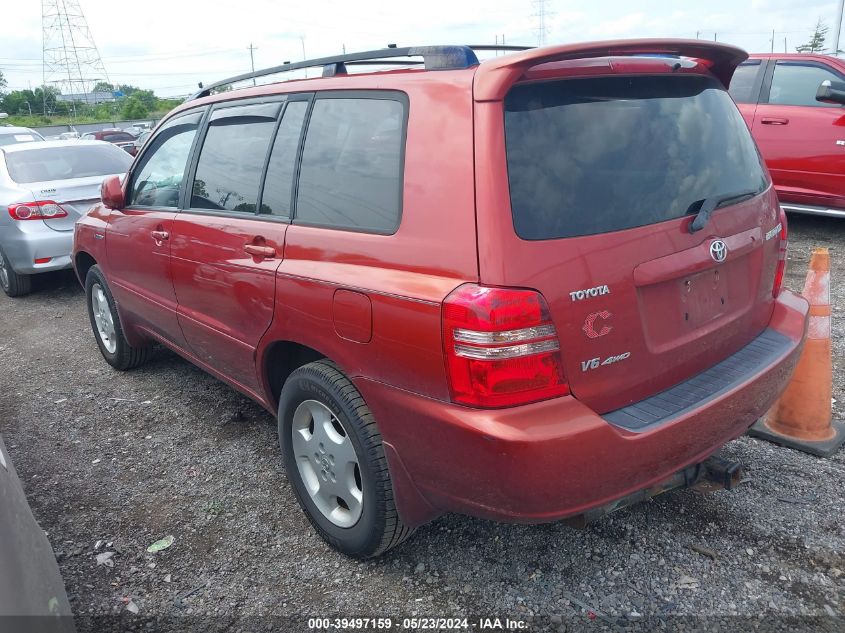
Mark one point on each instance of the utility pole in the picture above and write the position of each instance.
(838, 28)
(302, 41)
(784, 45)
(696, 34)
(773, 40)
(251, 50)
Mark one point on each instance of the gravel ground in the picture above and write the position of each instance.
(129, 458)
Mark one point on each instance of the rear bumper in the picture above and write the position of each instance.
(555, 459)
(23, 248)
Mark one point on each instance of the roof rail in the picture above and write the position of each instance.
(434, 58)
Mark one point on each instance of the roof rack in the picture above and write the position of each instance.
(434, 58)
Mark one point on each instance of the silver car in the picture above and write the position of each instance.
(11, 135)
(44, 188)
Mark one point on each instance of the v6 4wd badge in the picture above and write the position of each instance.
(595, 363)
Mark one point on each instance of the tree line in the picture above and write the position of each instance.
(42, 105)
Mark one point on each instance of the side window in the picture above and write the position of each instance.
(278, 184)
(351, 172)
(743, 82)
(88, 137)
(157, 179)
(232, 158)
(797, 83)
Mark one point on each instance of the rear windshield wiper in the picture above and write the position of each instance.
(709, 205)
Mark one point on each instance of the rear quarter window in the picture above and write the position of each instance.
(352, 164)
(588, 156)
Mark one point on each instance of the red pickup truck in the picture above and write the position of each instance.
(793, 104)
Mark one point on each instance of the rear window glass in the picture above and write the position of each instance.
(589, 156)
(11, 138)
(351, 173)
(60, 163)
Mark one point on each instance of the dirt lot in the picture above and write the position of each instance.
(130, 458)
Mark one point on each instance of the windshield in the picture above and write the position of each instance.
(589, 156)
(61, 163)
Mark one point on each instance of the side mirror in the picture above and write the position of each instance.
(831, 92)
(111, 193)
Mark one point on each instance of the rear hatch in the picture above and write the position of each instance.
(605, 175)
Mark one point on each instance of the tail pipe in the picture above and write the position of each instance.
(714, 473)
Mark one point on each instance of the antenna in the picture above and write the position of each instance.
(71, 61)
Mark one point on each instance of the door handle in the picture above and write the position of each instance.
(160, 236)
(265, 252)
(774, 121)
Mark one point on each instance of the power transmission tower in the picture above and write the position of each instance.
(71, 61)
(542, 14)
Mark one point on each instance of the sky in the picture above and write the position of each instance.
(170, 45)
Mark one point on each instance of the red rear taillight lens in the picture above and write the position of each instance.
(42, 210)
(501, 347)
(780, 271)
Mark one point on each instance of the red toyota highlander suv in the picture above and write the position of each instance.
(526, 289)
(793, 104)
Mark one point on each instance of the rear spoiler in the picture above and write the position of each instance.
(494, 77)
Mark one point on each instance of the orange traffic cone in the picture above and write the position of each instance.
(802, 417)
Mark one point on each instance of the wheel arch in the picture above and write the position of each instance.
(82, 263)
(281, 358)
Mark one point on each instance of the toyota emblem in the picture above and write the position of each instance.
(718, 250)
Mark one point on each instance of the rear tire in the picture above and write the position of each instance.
(105, 321)
(13, 284)
(346, 457)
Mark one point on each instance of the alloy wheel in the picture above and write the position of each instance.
(327, 463)
(103, 318)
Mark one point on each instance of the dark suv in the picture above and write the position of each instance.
(525, 289)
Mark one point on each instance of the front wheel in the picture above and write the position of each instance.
(105, 322)
(333, 455)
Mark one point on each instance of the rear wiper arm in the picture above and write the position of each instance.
(709, 205)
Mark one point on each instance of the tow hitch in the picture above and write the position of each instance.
(714, 473)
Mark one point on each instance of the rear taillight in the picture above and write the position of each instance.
(42, 210)
(501, 347)
(780, 271)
